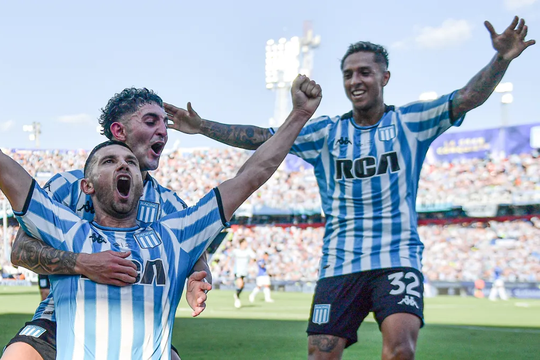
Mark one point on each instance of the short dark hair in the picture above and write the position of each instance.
(126, 102)
(88, 165)
(381, 55)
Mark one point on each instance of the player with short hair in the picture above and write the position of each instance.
(98, 321)
(136, 117)
(242, 258)
(262, 280)
(367, 164)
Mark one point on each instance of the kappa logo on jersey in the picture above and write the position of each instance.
(148, 239)
(32, 330)
(367, 166)
(97, 238)
(387, 133)
(343, 141)
(148, 211)
(87, 207)
(321, 314)
(408, 300)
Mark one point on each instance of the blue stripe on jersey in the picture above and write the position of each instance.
(397, 233)
(138, 318)
(115, 311)
(90, 316)
(377, 205)
(359, 207)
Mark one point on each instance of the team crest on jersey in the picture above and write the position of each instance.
(148, 239)
(321, 314)
(148, 211)
(32, 330)
(387, 133)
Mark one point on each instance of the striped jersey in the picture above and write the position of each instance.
(65, 188)
(368, 180)
(98, 321)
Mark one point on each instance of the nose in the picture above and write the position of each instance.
(123, 164)
(162, 129)
(356, 79)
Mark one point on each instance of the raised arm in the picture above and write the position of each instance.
(15, 182)
(189, 122)
(509, 45)
(306, 95)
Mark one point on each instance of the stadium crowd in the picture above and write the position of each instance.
(453, 252)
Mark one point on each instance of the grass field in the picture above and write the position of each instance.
(457, 328)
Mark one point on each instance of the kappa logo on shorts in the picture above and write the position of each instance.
(32, 330)
(408, 300)
(321, 314)
(148, 211)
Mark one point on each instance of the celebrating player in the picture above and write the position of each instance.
(367, 163)
(136, 117)
(263, 280)
(98, 321)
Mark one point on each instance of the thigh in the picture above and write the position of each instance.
(36, 338)
(339, 307)
(397, 290)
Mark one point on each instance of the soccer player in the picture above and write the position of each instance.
(263, 281)
(497, 288)
(242, 258)
(367, 163)
(98, 321)
(136, 117)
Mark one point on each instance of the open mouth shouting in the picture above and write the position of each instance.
(157, 148)
(123, 185)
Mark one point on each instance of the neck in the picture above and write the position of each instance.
(115, 221)
(368, 117)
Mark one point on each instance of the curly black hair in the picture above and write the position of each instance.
(126, 102)
(381, 55)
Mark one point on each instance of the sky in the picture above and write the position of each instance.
(61, 61)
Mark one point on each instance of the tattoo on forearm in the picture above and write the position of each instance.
(324, 343)
(36, 256)
(242, 136)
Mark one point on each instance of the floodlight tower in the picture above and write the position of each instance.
(285, 59)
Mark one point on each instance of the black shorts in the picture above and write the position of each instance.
(43, 282)
(39, 334)
(341, 303)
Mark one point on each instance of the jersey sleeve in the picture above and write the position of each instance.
(63, 187)
(171, 202)
(195, 227)
(428, 119)
(311, 140)
(46, 219)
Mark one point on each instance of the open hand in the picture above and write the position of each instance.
(196, 292)
(511, 42)
(186, 121)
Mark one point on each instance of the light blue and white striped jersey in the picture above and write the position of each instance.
(368, 181)
(132, 322)
(66, 189)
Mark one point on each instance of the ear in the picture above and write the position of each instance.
(118, 130)
(87, 187)
(386, 78)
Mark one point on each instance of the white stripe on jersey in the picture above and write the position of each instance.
(102, 335)
(126, 337)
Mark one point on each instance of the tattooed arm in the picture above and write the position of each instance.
(106, 267)
(242, 136)
(509, 45)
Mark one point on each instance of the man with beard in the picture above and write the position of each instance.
(98, 321)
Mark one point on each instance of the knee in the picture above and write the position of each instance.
(399, 352)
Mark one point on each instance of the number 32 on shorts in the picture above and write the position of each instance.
(409, 289)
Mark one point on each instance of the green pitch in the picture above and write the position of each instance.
(457, 328)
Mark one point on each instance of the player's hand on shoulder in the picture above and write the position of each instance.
(186, 121)
(511, 42)
(196, 293)
(306, 95)
(107, 267)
